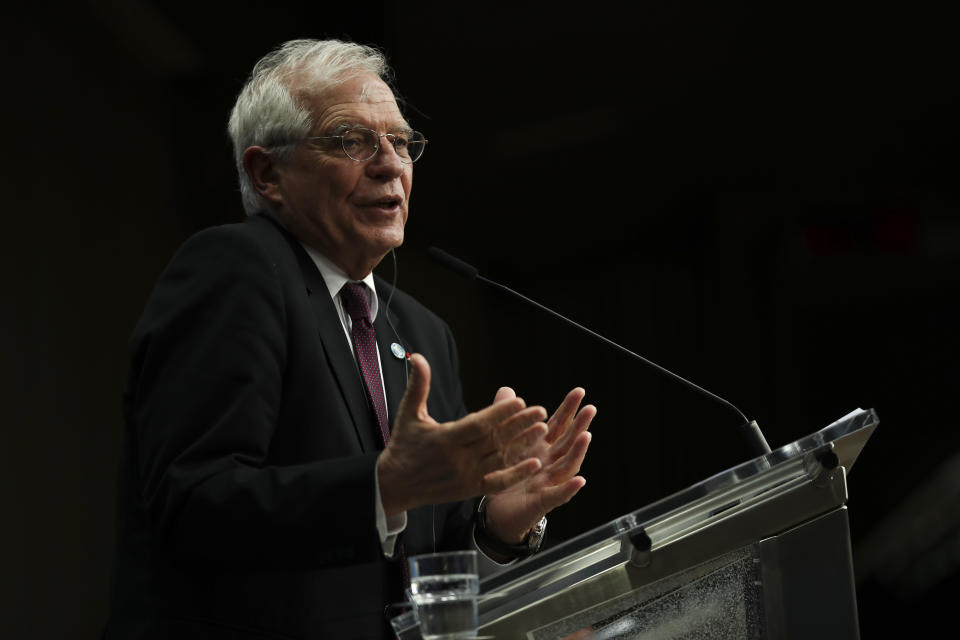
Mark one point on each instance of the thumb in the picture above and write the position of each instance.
(413, 405)
(504, 393)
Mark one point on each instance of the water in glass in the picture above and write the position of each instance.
(446, 605)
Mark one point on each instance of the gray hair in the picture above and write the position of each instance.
(267, 113)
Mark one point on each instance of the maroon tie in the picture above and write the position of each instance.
(357, 305)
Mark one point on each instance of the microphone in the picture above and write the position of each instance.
(749, 428)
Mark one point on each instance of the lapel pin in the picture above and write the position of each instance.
(398, 352)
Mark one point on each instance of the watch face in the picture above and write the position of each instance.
(536, 535)
(540, 525)
(530, 544)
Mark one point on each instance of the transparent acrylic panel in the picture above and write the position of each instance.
(722, 598)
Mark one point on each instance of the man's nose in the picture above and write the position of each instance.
(386, 163)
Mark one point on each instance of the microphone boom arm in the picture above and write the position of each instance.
(749, 428)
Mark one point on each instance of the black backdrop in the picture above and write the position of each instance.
(763, 198)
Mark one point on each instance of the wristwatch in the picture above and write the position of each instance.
(529, 546)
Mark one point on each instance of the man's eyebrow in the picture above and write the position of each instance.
(342, 126)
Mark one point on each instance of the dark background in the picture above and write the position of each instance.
(761, 196)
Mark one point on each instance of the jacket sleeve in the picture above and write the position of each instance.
(202, 405)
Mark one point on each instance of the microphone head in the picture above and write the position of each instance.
(455, 264)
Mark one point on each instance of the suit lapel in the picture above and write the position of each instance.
(344, 365)
(339, 355)
(394, 369)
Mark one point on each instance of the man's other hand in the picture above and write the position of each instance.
(513, 512)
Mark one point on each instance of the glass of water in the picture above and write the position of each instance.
(444, 589)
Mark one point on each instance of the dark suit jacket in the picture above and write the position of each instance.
(246, 488)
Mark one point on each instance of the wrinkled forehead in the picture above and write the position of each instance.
(359, 95)
(374, 90)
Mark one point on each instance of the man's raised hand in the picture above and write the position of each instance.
(484, 452)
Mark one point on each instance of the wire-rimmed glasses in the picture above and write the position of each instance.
(360, 143)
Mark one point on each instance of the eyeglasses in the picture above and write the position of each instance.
(361, 144)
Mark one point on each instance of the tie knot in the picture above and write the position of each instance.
(355, 301)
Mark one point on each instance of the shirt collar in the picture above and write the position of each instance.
(334, 277)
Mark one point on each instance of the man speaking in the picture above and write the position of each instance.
(283, 454)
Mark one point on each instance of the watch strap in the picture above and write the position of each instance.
(529, 546)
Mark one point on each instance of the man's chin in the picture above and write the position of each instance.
(388, 240)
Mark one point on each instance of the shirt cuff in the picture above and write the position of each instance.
(486, 565)
(387, 528)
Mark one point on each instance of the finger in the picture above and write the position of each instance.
(531, 443)
(499, 411)
(504, 434)
(553, 497)
(413, 405)
(493, 458)
(477, 424)
(504, 393)
(501, 480)
(580, 424)
(561, 417)
(568, 465)
(496, 425)
(568, 407)
(584, 418)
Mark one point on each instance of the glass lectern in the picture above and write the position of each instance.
(761, 550)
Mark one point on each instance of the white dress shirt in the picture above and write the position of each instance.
(335, 278)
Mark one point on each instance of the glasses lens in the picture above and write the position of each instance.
(410, 145)
(360, 144)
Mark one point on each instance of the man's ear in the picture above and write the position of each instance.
(261, 168)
